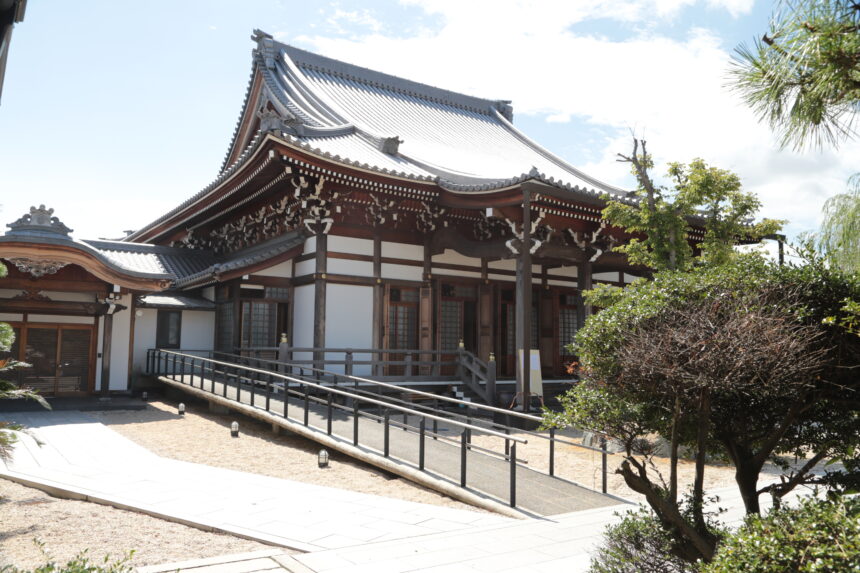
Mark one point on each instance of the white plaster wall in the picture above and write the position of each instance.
(451, 273)
(351, 268)
(311, 245)
(337, 244)
(198, 330)
(303, 319)
(503, 278)
(119, 374)
(452, 257)
(144, 338)
(630, 278)
(70, 296)
(561, 283)
(284, 269)
(402, 272)
(53, 295)
(349, 320)
(61, 319)
(11, 317)
(504, 264)
(305, 268)
(401, 251)
(208, 293)
(613, 277)
(570, 271)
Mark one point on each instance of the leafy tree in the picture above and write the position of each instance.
(735, 362)
(817, 536)
(708, 196)
(839, 237)
(803, 75)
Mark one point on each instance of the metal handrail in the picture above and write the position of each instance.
(335, 390)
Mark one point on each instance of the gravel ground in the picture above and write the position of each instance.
(66, 527)
(584, 466)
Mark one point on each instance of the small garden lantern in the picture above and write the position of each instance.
(234, 429)
(181, 409)
(322, 459)
(144, 396)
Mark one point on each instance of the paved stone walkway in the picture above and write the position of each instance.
(338, 531)
(81, 458)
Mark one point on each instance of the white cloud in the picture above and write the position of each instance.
(672, 92)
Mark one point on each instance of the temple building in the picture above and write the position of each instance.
(353, 209)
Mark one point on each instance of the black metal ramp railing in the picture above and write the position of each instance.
(363, 412)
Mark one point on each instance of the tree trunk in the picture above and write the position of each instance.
(747, 480)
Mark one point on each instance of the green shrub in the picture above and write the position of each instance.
(80, 563)
(821, 536)
(638, 544)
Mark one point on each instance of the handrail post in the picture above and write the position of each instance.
(268, 391)
(421, 430)
(491, 380)
(347, 368)
(463, 441)
(354, 422)
(386, 443)
(408, 369)
(514, 474)
(328, 414)
(552, 451)
(435, 421)
(224, 379)
(307, 404)
(238, 385)
(603, 461)
(253, 388)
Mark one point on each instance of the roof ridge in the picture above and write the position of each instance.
(309, 60)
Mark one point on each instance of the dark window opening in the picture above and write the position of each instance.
(168, 329)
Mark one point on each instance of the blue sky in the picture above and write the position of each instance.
(114, 112)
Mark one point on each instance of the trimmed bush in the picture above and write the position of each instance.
(821, 536)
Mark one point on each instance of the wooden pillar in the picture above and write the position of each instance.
(583, 281)
(485, 314)
(524, 306)
(107, 334)
(319, 298)
(425, 309)
(548, 323)
(378, 294)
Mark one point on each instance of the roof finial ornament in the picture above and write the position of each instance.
(265, 47)
(506, 109)
(39, 221)
(390, 145)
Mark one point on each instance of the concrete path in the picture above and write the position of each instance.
(79, 457)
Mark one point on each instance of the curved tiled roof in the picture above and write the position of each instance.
(463, 142)
(362, 118)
